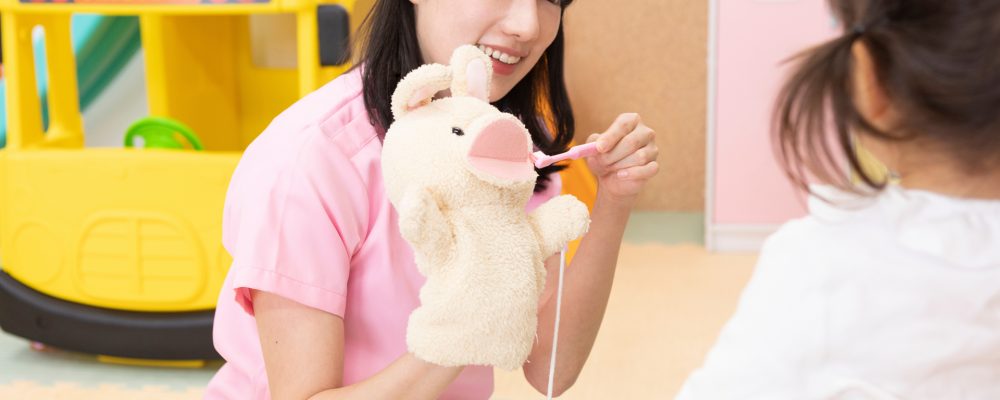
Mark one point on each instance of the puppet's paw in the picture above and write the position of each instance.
(573, 213)
(412, 210)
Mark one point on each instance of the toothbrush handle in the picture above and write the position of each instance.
(583, 150)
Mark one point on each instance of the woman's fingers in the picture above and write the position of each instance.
(641, 172)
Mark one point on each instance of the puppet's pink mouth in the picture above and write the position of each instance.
(502, 150)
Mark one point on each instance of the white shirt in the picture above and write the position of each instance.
(894, 297)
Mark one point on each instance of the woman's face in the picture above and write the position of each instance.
(515, 33)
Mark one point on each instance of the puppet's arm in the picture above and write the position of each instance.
(559, 221)
(422, 223)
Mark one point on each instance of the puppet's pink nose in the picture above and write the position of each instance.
(502, 149)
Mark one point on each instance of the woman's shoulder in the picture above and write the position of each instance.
(334, 110)
(324, 137)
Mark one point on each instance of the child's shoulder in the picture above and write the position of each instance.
(837, 223)
(896, 223)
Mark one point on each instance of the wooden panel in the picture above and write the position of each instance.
(645, 56)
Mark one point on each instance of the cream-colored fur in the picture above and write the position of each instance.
(482, 254)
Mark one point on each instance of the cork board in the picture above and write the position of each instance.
(649, 57)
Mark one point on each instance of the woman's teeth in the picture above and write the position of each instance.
(499, 55)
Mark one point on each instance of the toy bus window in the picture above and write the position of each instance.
(122, 101)
(41, 72)
(111, 76)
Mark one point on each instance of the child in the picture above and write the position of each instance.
(317, 299)
(887, 290)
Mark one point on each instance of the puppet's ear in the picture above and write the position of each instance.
(471, 72)
(418, 88)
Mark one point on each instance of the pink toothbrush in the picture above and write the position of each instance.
(584, 150)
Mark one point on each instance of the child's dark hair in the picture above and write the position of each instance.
(938, 61)
(390, 50)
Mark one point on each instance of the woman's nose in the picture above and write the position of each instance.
(521, 20)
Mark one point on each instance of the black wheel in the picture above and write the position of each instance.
(32, 315)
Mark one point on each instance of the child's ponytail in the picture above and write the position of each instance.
(938, 64)
(818, 93)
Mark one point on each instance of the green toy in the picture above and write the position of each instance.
(162, 133)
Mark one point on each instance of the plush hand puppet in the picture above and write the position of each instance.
(459, 173)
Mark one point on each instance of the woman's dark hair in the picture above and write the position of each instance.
(938, 61)
(389, 50)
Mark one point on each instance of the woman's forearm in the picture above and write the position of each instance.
(406, 378)
(303, 351)
(586, 288)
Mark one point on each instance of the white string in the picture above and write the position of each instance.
(555, 332)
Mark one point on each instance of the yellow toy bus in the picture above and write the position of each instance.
(117, 251)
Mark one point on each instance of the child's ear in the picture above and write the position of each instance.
(418, 88)
(869, 96)
(471, 71)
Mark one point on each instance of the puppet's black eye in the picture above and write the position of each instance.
(457, 131)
